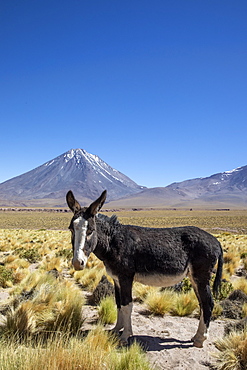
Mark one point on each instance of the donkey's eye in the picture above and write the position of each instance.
(89, 234)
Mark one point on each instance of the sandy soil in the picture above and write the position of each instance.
(167, 341)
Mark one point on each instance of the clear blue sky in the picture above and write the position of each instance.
(157, 89)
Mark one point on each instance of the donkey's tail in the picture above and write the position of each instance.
(218, 276)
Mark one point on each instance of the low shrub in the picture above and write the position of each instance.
(65, 253)
(6, 277)
(225, 289)
(31, 255)
(104, 289)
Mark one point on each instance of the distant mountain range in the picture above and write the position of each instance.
(88, 175)
(222, 190)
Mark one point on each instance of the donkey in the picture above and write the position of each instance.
(153, 256)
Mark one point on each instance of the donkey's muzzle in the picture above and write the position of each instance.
(78, 265)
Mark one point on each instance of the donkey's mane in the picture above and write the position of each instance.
(113, 220)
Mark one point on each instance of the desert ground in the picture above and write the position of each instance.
(166, 340)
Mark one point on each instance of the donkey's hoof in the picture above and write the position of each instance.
(197, 344)
(123, 342)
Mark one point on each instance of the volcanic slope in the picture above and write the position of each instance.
(77, 170)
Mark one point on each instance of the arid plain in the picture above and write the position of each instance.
(39, 241)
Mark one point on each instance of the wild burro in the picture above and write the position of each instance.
(153, 256)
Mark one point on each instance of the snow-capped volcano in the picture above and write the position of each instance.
(77, 170)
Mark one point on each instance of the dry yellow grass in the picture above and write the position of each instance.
(107, 310)
(96, 352)
(214, 221)
(232, 353)
(184, 304)
(160, 303)
(241, 284)
(141, 291)
(89, 278)
(51, 306)
(244, 310)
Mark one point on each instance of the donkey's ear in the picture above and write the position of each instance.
(72, 202)
(96, 205)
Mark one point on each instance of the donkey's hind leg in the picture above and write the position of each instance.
(203, 293)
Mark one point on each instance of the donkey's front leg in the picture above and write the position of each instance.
(119, 324)
(123, 293)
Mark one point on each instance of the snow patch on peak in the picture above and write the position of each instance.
(49, 163)
(69, 155)
(232, 171)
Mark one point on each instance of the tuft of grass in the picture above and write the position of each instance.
(51, 263)
(18, 263)
(160, 303)
(184, 304)
(232, 353)
(141, 291)
(59, 352)
(100, 338)
(129, 359)
(33, 281)
(89, 278)
(107, 310)
(20, 274)
(10, 258)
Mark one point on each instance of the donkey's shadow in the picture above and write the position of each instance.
(150, 343)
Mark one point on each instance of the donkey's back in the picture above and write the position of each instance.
(165, 249)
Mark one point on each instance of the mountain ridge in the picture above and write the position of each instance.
(87, 175)
(224, 189)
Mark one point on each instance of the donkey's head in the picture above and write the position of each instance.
(83, 228)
